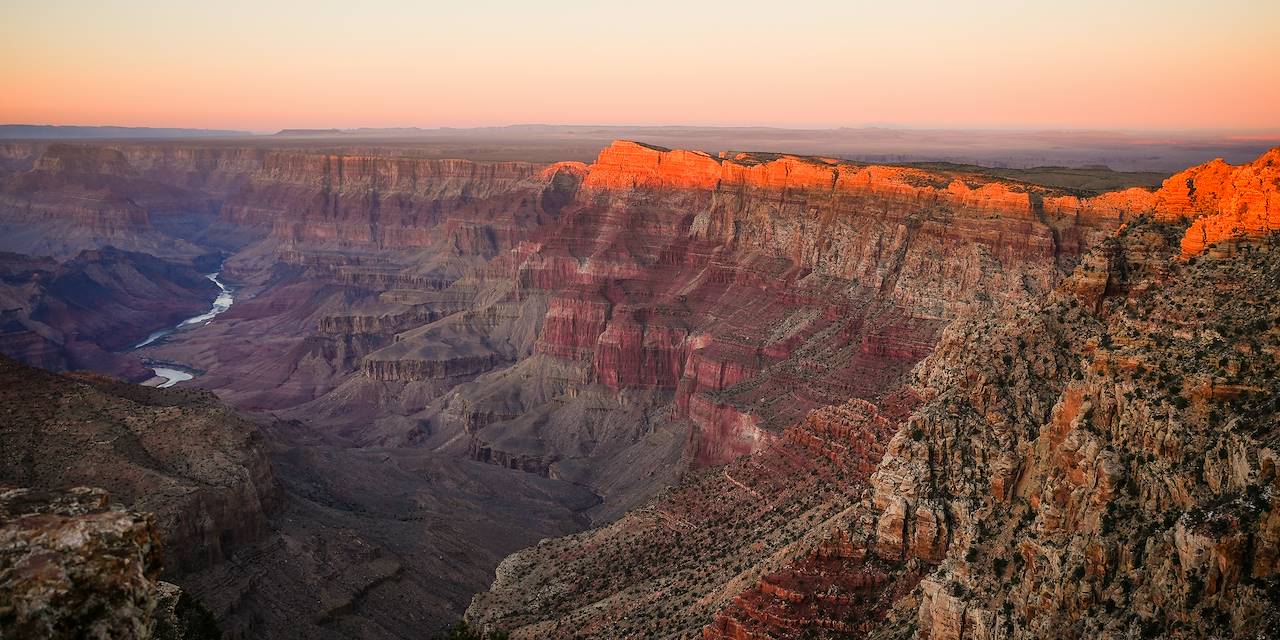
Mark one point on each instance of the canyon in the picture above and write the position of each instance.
(728, 395)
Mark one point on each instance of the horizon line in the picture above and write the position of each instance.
(1118, 129)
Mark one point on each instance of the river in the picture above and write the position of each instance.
(171, 373)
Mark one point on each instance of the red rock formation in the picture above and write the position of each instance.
(1226, 202)
(759, 287)
(397, 202)
(573, 324)
(1222, 201)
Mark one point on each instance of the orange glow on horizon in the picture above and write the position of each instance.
(1166, 65)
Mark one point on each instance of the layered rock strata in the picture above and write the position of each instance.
(1118, 438)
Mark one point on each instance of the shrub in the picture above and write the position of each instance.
(464, 631)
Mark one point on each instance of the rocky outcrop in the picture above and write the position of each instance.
(178, 454)
(73, 566)
(389, 322)
(1225, 202)
(443, 366)
(1221, 201)
(1086, 439)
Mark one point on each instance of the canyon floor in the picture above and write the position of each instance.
(662, 393)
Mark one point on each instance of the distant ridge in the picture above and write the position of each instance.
(310, 132)
(51, 131)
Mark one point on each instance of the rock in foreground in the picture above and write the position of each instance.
(74, 566)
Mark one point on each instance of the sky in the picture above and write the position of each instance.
(263, 66)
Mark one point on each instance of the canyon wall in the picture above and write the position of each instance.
(1084, 431)
(389, 202)
(1119, 439)
(721, 277)
(742, 289)
(605, 328)
(85, 312)
(754, 288)
(155, 198)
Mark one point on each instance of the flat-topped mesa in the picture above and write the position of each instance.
(626, 165)
(1223, 201)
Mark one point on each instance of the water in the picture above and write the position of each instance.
(173, 375)
(221, 303)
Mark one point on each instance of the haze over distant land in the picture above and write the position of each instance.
(52, 132)
(1123, 151)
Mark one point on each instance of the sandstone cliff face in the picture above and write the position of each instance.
(1223, 202)
(1226, 202)
(753, 288)
(918, 236)
(73, 566)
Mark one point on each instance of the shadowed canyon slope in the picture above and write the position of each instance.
(275, 537)
(562, 341)
(81, 313)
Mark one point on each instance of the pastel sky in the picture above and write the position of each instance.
(256, 65)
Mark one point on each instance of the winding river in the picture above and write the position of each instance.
(173, 374)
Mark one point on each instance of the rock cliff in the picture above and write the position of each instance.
(1119, 440)
(74, 566)
(1117, 437)
(199, 468)
(748, 289)
(151, 198)
(392, 202)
